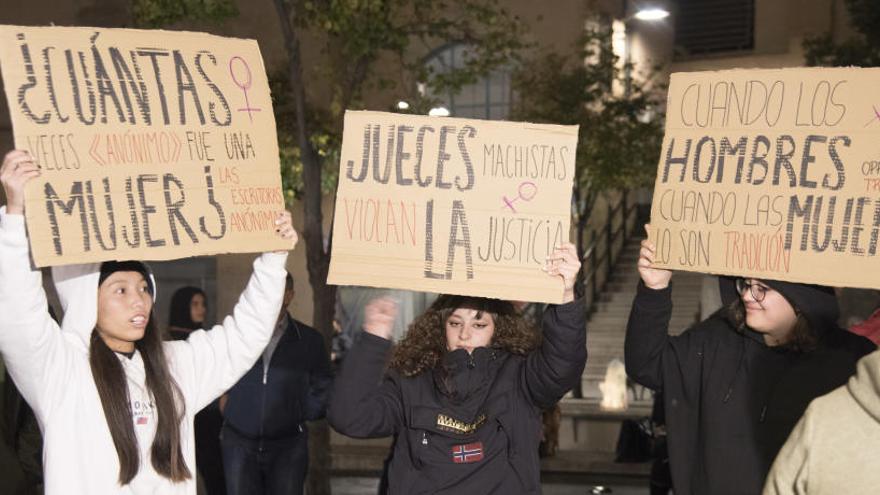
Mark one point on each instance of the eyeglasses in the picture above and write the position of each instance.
(757, 291)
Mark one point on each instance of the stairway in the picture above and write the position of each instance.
(606, 328)
(588, 434)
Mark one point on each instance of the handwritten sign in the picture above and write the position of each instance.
(153, 144)
(452, 205)
(772, 174)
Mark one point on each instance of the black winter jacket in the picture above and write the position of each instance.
(275, 405)
(485, 439)
(731, 401)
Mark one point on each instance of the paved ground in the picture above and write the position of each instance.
(367, 486)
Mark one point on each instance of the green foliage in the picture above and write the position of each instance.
(862, 50)
(620, 132)
(354, 37)
(161, 13)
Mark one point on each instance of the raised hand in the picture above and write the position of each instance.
(17, 170)
(563, 262)
(379, 316)
(654, 278)
(284, 229)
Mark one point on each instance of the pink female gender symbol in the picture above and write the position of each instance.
(526, 192)
(245, 87)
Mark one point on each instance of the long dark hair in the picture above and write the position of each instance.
(801, 339)
(180, 315)
(165, 454)
(424, 344)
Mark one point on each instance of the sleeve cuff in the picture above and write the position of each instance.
(374, 342)
(653, 298)
(12, 223)
(274, 260)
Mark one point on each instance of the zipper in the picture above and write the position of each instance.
(263, 403)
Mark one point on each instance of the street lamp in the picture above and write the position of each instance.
(651, 14)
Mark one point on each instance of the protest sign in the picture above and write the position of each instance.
(153, 144)
(452, 205)
(772, 174)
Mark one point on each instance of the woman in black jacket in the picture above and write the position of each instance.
(736, 383)
(465, 389)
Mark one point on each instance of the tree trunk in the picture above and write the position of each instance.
(317, 258)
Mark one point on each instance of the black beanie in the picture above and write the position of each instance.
(110, 267)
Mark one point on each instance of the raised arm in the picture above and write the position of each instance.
(30, 341)
(216, 359)
(364, 403)
(647, 330)
(557, 365)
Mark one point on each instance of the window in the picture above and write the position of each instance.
(488, 98)
(714, 26)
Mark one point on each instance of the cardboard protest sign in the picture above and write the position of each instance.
(153, 144)
(452, 205)
(772, 174)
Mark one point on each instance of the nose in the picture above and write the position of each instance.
(465, 333)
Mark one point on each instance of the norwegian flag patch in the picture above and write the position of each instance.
(467, 453)
(142, 420)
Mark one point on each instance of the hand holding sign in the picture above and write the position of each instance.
(563, 262)
(18, 168)
(284, 229)
(654, 278)
(379, 316)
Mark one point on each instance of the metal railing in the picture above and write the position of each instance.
(605, 247)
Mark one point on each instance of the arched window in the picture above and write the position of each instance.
(488, 98)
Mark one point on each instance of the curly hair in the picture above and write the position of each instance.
(424, 344)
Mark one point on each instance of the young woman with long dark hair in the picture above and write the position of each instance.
(464, 390)
(115, 403)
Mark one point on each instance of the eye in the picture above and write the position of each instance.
(480, 325)
(119, 290)
(453, 323)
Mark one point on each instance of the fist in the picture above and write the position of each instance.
(563, 262)
(379, 316)
(654, 278)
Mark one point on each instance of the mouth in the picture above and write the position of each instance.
(139, 320)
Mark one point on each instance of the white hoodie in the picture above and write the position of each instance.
(51, 367)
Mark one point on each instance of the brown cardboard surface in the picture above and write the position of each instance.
(452, 205)
(772, 174)
(153, 144)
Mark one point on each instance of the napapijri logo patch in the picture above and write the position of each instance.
(467, 453)
(453, 425)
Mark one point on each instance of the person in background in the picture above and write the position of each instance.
(735, 385)
(187, 314)
(264, 436)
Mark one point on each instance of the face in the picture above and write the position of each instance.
(124, 305)
(773, 316)
(465, 330)
(197, 309)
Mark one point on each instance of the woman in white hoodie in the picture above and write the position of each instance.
(115, 404)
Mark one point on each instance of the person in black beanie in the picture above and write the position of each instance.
(736, 384)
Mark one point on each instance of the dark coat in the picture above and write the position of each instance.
(484, 438)
(275, 406)
(731, 400)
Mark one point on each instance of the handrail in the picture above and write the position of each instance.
(594, 259)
